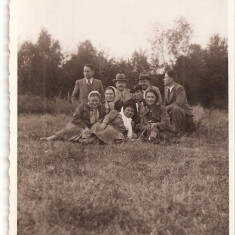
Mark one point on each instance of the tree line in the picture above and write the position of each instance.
(43, 70)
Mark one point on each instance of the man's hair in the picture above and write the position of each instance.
(90, 66)
(171, 73)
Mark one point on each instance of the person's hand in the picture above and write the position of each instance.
(168, 108)
(111, 106)
(152, 125)
(143, 127)
(86, 133)
(103, 125)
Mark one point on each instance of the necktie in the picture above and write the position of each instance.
(122, 96)
(89, 82)
(140, 106)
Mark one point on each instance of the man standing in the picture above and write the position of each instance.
(84, 86)
(120, 83)
(145, 83)
(175, 100)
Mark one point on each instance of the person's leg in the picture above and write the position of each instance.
(177, 116)
(50, 138)
(154, 136)
(190, 124)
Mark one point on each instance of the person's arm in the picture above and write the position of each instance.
(159, 95)
(78, 117)
(165, 119)
(101, 90)
(110, 116)
(75, 94)
(180, 98)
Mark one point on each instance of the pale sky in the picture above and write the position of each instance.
(117, 26)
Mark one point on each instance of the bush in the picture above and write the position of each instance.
(39, 105)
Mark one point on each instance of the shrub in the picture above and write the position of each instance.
(39, 105)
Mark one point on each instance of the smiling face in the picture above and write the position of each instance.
(88, 72)
(129, 112)
(94, 102)
(120, 85)
(109, 95)
(150, 98)
(144, 83)
(138, 95)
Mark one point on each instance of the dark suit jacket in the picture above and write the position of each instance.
(82, 90)
(177, 97)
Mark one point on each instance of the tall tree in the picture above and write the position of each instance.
(139, 61)
(38, 66)
(216, 71)
(169, 44)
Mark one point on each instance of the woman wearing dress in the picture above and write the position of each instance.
(154, 122)
(85, 115)
(111, 129)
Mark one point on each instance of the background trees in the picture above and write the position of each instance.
(45, 71)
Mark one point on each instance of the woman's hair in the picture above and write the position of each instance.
(154, 92)
(94, 94)
(130, 104)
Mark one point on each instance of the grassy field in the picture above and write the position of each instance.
(131, 188)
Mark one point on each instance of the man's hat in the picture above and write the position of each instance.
(120, 77)
(144, 75)
(136, 88)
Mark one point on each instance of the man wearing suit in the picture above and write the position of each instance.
(145, 83)
(137, 100)
(175, 100)
(120, 83)
(84, 86)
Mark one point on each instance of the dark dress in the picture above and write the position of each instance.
(160, 120)
(83, 117)
(115, 130)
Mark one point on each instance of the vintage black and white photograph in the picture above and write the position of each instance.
(122, 117)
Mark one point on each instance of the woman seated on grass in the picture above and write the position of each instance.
(154, 122)
(85, 115)
(111, 129)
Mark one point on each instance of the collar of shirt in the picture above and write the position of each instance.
(170, 88)
(91, 79)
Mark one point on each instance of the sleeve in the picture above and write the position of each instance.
(101, 90)
(159, 95)
(180, 98)
(75, 94)
(110, 116)
(164, 98)
(165, 119)
(78, 118)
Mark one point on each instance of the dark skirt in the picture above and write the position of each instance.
(108, 135)
(71, 132)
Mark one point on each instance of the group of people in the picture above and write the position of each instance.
(117, 114)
